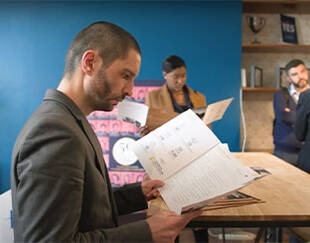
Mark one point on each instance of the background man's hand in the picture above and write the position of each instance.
(149, 187)
(166, 226)
(287, 109)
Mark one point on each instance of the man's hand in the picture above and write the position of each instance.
(166, 226)
(149, 187)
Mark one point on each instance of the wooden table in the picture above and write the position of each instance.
(286, 193)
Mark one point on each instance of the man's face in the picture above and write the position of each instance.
(176, 79)
(112, 84)
(298, 76)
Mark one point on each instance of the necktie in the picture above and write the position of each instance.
(295, 97)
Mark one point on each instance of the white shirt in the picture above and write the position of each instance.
(293, 93)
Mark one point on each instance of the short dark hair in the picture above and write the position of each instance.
(172, 62)
(293, 63)
(111, 41)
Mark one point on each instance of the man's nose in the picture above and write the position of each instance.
(303, 76)
(128, 88)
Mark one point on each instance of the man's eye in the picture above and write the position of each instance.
(126, 76)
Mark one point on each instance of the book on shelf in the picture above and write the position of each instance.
(195, 166)
(288, 27)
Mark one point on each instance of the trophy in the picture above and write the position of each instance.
(256, 24)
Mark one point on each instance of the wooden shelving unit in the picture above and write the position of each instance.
(274, 6)
(275, 48)
(258, 111)
(258, 89)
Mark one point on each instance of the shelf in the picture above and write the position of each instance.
(262, 89)
(275, 48)
(274, 6)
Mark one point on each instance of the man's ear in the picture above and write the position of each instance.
(165, 75)
(88, 62)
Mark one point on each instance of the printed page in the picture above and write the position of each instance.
(174, 145)
(210, 176)
(216, 111)
(132, 112)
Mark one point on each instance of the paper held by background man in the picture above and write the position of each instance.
(195, 166)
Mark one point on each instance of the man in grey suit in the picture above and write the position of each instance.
(60, 186)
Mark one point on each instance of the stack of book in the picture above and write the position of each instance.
(232, 200)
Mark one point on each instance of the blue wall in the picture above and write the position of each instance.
(35, 37)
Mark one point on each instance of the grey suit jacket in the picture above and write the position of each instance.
(60, 186)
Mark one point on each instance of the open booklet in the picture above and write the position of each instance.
(195, 166)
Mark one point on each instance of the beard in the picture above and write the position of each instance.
(301, 84)
(100, 94)
(296, 86)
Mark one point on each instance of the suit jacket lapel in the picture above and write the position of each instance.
(96, 146)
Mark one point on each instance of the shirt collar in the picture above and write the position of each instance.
(292, 90)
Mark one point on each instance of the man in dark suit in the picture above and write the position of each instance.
(302, 130)
(287, 146)
(285, 100)
(60, 186)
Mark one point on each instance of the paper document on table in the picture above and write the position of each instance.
(195, 166)
(210, 176)
(173, 145)
(216, 111)
(132, 112)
